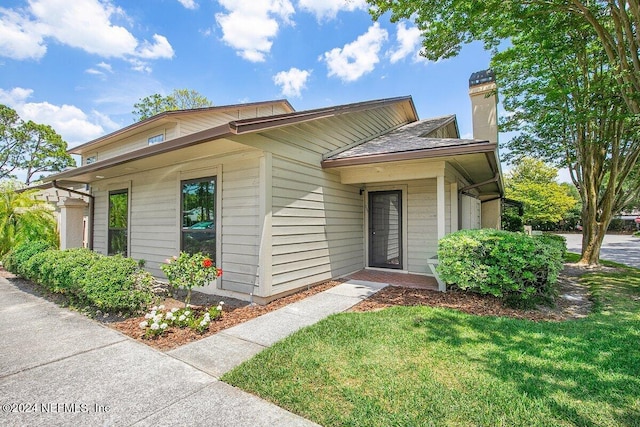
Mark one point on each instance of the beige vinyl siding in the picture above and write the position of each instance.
(154, 218)
(337, 132)
(135, 142)
(317, 226)
(422, 224)
(154, 222)
(240, 225)
(184, 125)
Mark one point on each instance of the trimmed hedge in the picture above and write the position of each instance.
(108, 283)
(521, 269)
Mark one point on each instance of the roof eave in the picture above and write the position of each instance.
(152, 150)
(269, 122)
(160, 117)
(484, 147)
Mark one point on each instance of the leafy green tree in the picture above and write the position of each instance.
(24, 218)
(448, 24)
(179, 99)
(569, 79)
(29, 147)
(533, 183)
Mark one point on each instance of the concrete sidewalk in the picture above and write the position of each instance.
(58, 367)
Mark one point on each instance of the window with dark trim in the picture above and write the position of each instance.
(198, 201)
(118, 222)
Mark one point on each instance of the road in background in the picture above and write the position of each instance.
(622, 248)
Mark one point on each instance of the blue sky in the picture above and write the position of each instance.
(80, 65)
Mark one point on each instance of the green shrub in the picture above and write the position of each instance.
(115, 283)
(521, 269)
(61, 271)
(16, 259)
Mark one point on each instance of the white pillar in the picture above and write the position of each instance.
(441, 207)
(71, 223)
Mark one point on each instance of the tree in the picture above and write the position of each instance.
(569, 78)
(533, 183)
(179, 99)
(29, 147)
(447, 25)
(24, 218)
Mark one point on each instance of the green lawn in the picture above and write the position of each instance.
(410, 366)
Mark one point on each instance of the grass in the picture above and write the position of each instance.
(422, 366)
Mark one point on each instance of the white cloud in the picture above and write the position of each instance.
(292, 82)
(83, 24)
(328, 9)
(251, 25)
(189, 4)
(408, 44)
(69, 121)
(358, 57)
(19, 37)
(100, 69)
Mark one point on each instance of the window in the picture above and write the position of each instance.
(156, 139)
(199, 216)
(91, 159)
(118, 222)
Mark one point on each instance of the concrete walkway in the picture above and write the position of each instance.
(60, 368)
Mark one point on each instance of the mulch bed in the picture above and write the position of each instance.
(573, 302)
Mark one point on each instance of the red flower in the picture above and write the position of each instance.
(219, 272)
(206, 263)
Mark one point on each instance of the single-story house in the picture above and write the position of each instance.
(282, 199)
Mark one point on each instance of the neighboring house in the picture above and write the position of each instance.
(284, 199)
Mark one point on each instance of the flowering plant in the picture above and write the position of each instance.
(187, 271)
(158, 320)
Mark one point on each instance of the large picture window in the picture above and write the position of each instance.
(118, 222)
(199, 216)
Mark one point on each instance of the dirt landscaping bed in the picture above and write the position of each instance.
(572, 302)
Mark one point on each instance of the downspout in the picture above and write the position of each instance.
(91, 209)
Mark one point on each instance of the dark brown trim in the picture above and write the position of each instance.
(269, 122)
(170, 114)
(152, 150)
(427, 153)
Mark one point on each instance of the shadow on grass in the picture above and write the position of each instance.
(576, 367)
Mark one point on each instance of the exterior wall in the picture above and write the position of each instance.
(422, 223)
(491, 217)
(131, 143)
(180, 126)
(317, 226)
(470, 212)
(154, 220)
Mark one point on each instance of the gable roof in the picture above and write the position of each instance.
(167, 116)
(409, 142)
(233, 128)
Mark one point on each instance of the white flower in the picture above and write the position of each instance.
(174, 309)
(204, 323)
(157, 318)
(143, 325)
(187, 313)
(154, 308)
(155, 326)
(149, 315)
(221, 303)
(169, 316)
(161, 307)
(219, 308)
(182, 317)
(163, 326)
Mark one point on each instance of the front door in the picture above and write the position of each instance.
(385, 229)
